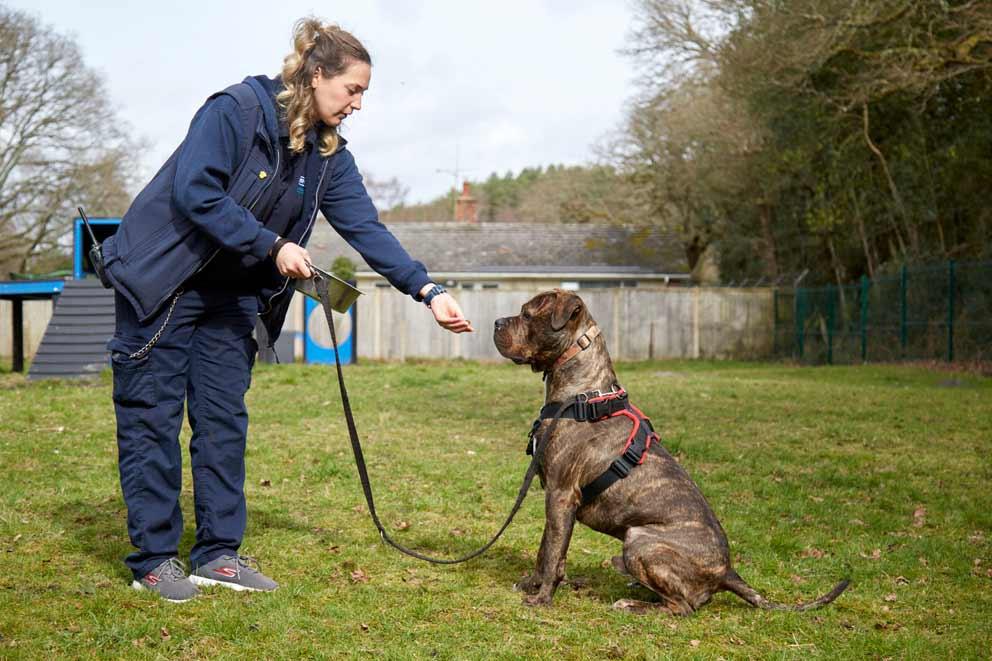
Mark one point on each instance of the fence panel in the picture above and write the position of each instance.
(937, 312)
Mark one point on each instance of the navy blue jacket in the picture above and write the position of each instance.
(200, 202)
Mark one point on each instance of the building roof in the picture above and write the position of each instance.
(522, 248)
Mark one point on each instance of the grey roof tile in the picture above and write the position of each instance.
(520, 247)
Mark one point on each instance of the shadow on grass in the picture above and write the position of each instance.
(98, 528)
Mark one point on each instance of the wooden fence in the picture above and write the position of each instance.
(638, 324)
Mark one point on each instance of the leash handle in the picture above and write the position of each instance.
(320, 284)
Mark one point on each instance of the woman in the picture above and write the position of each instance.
(209, 244)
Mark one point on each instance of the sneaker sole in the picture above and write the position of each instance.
(140, 587)
(207, 582)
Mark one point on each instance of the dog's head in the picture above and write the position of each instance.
(546, 326)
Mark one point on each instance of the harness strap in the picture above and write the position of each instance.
(638, 444)
(593, 407)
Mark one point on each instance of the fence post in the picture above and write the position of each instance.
(864, 319)
(950, 311)
(830, 325)
(903, 331)
(775, 321)
(799, 319)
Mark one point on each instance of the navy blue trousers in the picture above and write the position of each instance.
(203, 359)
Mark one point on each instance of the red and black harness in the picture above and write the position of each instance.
(594, 407)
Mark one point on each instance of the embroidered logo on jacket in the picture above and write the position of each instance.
(300, 185)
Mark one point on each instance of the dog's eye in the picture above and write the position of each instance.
(525, 316)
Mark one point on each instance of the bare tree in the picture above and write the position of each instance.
(387, 194)
(60, 142)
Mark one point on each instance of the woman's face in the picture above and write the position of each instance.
(338, 96)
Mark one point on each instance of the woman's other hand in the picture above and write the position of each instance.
(449, 314)
(293, 261)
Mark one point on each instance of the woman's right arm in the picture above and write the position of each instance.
(207, 161)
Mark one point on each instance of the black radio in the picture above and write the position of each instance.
(95, 252)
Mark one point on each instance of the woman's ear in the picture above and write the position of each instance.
(317, 74)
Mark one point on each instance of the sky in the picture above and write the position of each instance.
(503, 84)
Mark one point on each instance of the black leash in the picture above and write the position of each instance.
(321, 286)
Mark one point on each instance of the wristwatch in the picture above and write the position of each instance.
(429, 296)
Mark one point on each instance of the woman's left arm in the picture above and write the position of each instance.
(349, 209)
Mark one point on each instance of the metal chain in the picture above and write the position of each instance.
(140, 353)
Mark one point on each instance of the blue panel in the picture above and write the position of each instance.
(317, 338)
(18, 288)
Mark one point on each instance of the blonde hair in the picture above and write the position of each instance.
(315, 46)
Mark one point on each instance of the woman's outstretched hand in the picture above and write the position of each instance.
(449, 314)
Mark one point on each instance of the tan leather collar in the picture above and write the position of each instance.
(581, 344)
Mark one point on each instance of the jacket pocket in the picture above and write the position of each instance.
(134, 382)
(251, 181)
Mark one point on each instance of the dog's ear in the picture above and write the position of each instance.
(566, 306)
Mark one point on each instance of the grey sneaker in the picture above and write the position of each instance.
(235, 572)
(168, 581)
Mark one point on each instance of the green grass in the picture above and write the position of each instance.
(883, 474)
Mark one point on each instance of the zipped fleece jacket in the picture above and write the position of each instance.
(200, 202)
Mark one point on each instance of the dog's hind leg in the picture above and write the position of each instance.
(665, 568)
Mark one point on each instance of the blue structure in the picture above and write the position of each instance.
(77, 333)
(81, 243)
(18, 291)
(317, 345)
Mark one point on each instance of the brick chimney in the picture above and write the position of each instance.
(466, 206)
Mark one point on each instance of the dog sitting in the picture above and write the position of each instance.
(673, 544)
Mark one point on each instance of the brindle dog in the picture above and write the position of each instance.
(672, 541)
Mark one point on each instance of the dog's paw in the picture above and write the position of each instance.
(537, 600)
(529, 585)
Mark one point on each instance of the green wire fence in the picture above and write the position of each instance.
(941, 312)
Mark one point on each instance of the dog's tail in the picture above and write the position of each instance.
(734, 583)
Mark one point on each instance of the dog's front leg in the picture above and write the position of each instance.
(559, 522)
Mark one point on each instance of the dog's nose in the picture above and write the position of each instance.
(501, 323)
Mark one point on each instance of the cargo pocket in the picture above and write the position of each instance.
(134, 382)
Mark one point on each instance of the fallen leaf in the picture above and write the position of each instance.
(470, 453)
(874, 555)
(334, 549)
(364, 627)
(457, 533)
(923, 561)
(17, 537)
(919, 516)
(402, 525)
(856, 522)
(254, 626)
(812, 553)
(976, 537)
(265, 483)
(736, 641)
(816, 499)
(359, 576)
(902, 580)
(359, 509)
(797, 579)
(890, 597)
(165, 634)
(694, 642)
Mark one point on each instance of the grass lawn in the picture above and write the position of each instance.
(878, 473)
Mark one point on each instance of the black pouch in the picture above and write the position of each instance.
(96, 259)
